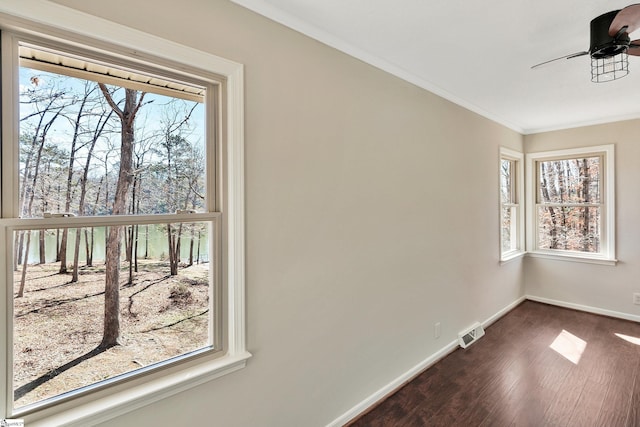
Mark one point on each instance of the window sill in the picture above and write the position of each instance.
(106, 408)
(511, 256)
(574, 258)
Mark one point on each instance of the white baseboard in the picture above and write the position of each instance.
(388, 389)
(502, 312)
(588, 309)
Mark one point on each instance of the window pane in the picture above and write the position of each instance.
(569, 181)
(507, 170)
(164, 305)
(569, 228)
(89, 149)
(509, 231)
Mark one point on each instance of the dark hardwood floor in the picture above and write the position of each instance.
(513, 377)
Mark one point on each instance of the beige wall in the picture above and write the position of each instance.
(599, 286)
(372, 213)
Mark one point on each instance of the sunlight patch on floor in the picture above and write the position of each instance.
(632, 340)
(569, 346)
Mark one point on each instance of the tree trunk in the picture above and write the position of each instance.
(76, 255)
(586, 181)
(146, 241)
(173, 265)
(198, 249)
(135, 248)
(111, 332)
(62, 251)
(41, 246)
(191, 247)
(23, 278)
(130, 253)
(127, 115)
(127, 246)
(174, 248)
(58, 245)
(89, 238)
(89, 242)
(17, 257)
(560, 172)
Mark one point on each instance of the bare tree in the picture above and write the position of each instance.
(29, 203)
(545, 190)
(76, 123)
(53, 159)
(143, 149)
(52, 107)
(89, 240)
(177, 149)
(103, 119)
(127, 115)
(44, 101)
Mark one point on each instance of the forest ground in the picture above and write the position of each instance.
(58, 325)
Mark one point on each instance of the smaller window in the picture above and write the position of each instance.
(571, 211)
(511, 213)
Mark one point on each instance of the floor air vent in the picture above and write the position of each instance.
(471, 335)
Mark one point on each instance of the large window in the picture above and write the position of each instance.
(511, 212)
(572, 209)
(119, 208)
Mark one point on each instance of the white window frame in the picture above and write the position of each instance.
(76, 28)
(607, 236)
(518, 189)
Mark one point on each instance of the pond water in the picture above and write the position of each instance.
(152, 242)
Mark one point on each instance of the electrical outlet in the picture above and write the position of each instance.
(436, 330)
(636, 298)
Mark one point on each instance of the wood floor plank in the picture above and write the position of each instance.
(516, 376)
(587, 409)
(633, 418)
(617, 400)
(561, 409)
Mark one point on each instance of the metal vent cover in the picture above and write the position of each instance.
(470, 335)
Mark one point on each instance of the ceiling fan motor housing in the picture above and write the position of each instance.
(602, 44)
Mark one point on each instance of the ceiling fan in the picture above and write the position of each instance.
(610, 44)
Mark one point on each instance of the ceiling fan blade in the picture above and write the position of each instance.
(634, 48)
(573, 55)
(628, 17)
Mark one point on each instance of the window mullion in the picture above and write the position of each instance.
(8, 199)
(10, 124)
(96, 221)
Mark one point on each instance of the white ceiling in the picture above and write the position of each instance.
(478, 53)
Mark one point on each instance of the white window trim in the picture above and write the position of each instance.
(34, 17)
(608, 243)
(518, 157)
